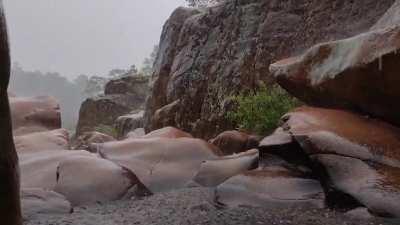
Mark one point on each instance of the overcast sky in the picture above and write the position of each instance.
(84, 36)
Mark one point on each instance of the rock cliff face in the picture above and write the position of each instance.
(122, 96)
(206, 56)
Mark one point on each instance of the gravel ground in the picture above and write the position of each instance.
(192, 207)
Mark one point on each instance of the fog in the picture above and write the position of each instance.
(89, 37)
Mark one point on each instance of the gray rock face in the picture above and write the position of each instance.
(135, 85)
(391, 17)
(206, 56)
(128, 123)
(122, 96)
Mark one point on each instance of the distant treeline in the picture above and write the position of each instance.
(69, 93)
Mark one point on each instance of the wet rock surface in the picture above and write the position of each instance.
(98, 180)
(215, 171)
(231, 142)
(168, 132)
(85, 141)
(339, 74)
(318, 159)
(162, 164)
(206, 56)
(121, 97)
(45, 140)
(134, 85)
(104, 111)
(33, 114)
(273, 188)
(127, 123)
(355, 157)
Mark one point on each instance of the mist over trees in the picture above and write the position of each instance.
(147, 68)
(69, 93)
(36, 83)
(202, 3)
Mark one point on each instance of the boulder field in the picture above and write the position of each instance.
(339, 151)
(122, 96)
(55, 178)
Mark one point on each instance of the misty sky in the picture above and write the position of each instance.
(84, 36)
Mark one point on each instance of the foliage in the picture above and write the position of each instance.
(70, 94)
(261, 110)
(202, 3)
(95, 86)
(148, 63)
(116, 72)
(106, 129)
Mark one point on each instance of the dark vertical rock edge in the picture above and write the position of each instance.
(10, 209)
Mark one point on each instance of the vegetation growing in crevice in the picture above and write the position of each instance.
(260, 111)
(106, 129)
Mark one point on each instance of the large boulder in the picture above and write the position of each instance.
(82, 177)
(356, 157)
(39, 141)
(215, 171)
(39, 168)
(231, 142)
(359, 73)
(98, 180)
(162, 164)
(271, 188)
(122, 96)
(33, 114)
(208, 55)
(46, 163)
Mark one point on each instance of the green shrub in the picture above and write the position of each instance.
(260, 111)
(106, 129)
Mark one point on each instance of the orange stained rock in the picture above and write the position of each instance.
(167, 132)
(334, 128)
(32, 114)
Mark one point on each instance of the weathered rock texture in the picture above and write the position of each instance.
(135, 85)
(231, 142)
(272, 188)
(84, 141)
(122, 96)
(360, 73)
(127, 123)
(34, 114)
(162, 164)
(208, 55)
(391, 17)
(356, 158)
